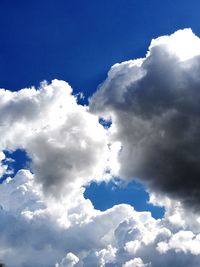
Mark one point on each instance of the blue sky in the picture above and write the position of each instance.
(105, 195)
(78, 41)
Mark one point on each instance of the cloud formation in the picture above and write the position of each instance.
(65, 142)
(38, 231)
(154, 105)
(45, 219)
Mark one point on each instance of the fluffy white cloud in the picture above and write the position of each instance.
(106, 255)
(4, 168)
(38, 230)
(182, 241)
(66, 143)
(68, 261)
(137, 262)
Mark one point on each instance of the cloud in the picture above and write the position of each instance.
(137, 262)
(4, 169)
(154, 105)
(65, 142)
(69, 260)
(45, 219)
(182, 241)
(40, 231)
(106, 255)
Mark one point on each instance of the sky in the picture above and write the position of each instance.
(79, 41)
(99, 121)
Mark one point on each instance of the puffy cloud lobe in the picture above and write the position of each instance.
(106, 255)
(182, 241)
(46, 229)
(137, 262)
(4, 169)
(69, 260)
(67, 145)
(154, 104)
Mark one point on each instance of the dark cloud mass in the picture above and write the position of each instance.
(155, 107)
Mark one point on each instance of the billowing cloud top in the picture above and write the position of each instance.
(66, 143)
(154, 104)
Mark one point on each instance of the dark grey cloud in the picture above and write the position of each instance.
(155, 106)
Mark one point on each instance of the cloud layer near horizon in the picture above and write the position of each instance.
(45, 219)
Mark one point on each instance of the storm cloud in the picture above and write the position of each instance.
(154, 103)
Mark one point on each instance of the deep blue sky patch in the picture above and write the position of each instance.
(19, 160)
(105, 123)
(106, 195)
(78, 41)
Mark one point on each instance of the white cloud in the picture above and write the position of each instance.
(133, 246)
(184, 241)
(4, 168)
(137, 262)
(106, 255)
(183, 44)
(69, 260)
(36, 230)
(67, 145)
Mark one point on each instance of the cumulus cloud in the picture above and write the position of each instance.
(154, 105)
(137, 262)
(66, 143)
(38, 231)
(69, 260)
(45, 219)
(182, 241)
